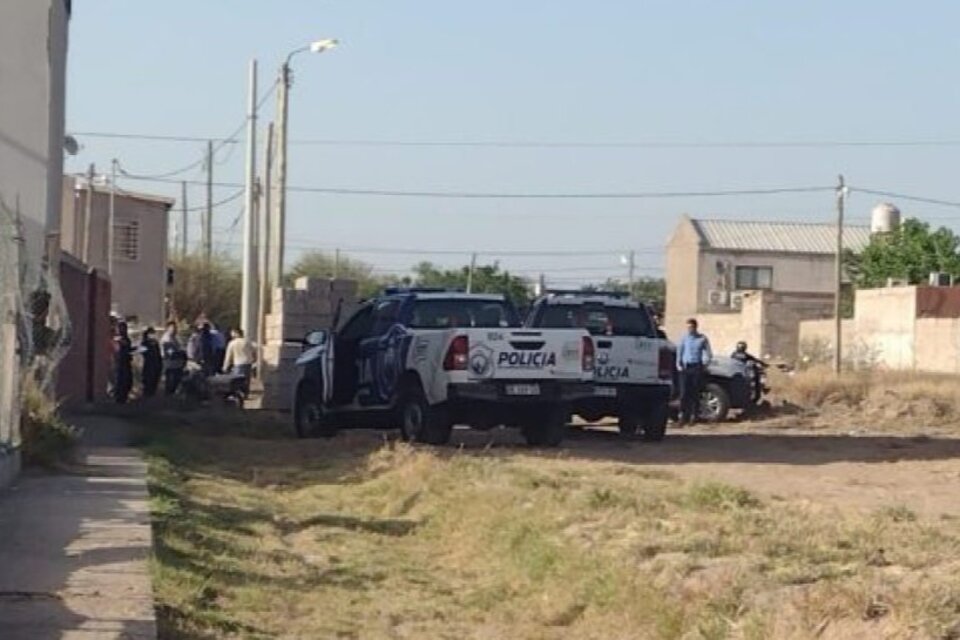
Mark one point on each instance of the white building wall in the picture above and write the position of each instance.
(33, 45)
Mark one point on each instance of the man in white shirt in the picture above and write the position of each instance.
(240, 355)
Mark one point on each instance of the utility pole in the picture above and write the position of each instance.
(264, 243)
(111, 220)
(838, 284)
(336, 264)
(208, 219)
(542, 285)
(248, 316)
(279, 226)
(473, 266)
(631, 271)
(183, 219)
(88, 213)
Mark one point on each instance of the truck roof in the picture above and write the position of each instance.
(588, 297)
(454, 295)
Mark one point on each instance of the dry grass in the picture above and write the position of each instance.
(349, 538)
(874, 399)
(47, 439)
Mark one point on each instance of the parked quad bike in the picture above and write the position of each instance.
(230, 389)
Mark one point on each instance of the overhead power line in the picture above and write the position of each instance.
(218, 203)
(220, 143)
(535, 144)
(158, 176)
(904, 196)
(521, 196)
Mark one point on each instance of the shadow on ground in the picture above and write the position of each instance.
(74, 547)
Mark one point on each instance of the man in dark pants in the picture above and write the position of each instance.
(693, 356)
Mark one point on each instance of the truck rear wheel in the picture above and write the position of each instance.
(422, 422)
(547, 431)
(629, 422)
(654, 423)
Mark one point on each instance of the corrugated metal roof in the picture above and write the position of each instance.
(781, 237)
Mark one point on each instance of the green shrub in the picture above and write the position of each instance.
(46, 438)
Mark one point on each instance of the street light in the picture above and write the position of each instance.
(278, 228)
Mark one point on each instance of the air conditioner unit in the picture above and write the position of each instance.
(940, 279)
(717, 298)
(736, 300)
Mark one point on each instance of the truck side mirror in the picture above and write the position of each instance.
(315, 338)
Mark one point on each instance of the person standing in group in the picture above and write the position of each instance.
(219, 347)
(174, 359)
(201, 349)
(240, 356)
(152, 362)
(123, 364)
(693, 356)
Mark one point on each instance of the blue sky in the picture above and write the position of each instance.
(541, 71)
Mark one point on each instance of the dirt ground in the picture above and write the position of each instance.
(854, 469)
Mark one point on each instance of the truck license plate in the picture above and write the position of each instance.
(605, 392)
(522, 389)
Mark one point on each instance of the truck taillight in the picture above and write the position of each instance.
(665, 364)
(589, 354)
(458, 353)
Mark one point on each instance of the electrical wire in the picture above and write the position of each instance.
(903, 196)
(201, 162)
(525, 196)
(216, 204)
(533, 144)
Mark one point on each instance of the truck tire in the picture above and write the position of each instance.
(422, 422)
(310, 418)
(654, 423)
(547, 431)
(714, 403)
(629, 422)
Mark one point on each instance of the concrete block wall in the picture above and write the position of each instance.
(309, 305)
(902, 328)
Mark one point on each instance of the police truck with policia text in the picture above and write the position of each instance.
(428, 359)
(634, 369)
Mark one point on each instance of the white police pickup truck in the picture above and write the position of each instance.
(634, 366)
(431, 359)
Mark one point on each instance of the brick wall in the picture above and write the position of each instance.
(83, 372)
(310, 305)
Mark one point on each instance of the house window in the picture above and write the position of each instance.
(126, 240)
(754, 278)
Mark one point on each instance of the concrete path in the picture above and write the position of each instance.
(74, 549)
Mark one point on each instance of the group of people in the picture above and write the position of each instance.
(206, 351)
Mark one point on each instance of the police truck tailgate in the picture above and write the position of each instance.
(534, 355)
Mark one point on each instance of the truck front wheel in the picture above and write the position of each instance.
(422, 422)
(311, 419)
(714, 403)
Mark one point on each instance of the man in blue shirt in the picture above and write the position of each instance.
(693, 356)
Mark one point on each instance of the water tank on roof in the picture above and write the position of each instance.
(885, 218)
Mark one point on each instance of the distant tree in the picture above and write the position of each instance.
(318, 264)
(488, 278)
(649, 290)
(213, 292)
(910, 253)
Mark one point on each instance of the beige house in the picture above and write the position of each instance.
(717, 268)
(141, 224)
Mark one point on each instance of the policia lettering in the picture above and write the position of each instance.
(526, 359)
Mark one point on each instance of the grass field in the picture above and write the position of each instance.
(258, 535)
